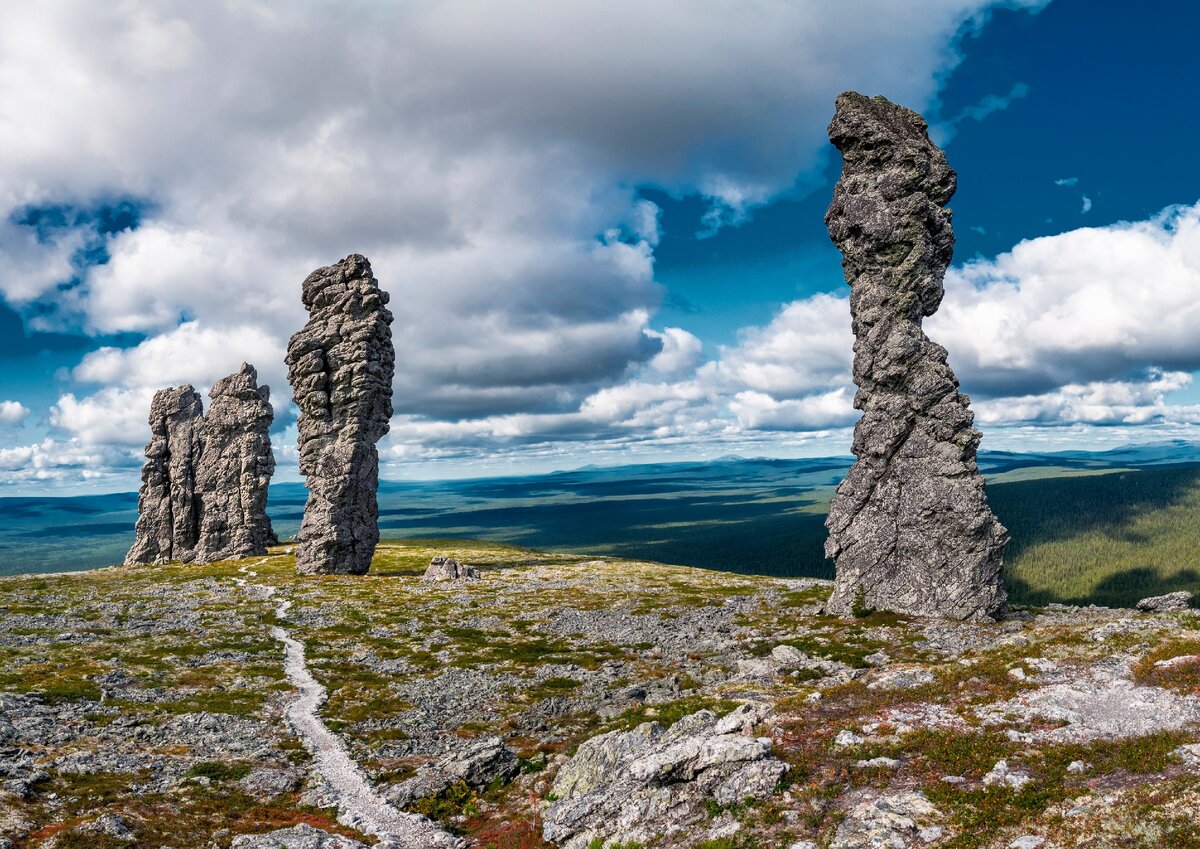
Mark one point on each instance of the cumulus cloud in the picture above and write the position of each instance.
(487, 161)
(12, 412)
(1093, 304)
(1115, 402)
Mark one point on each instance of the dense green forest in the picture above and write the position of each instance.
(1107, 528)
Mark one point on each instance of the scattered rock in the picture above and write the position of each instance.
(1169, 603)
(887, 820)
(169, 508)
(909, 527)
(1097, 703)
(1001, 775)
(266, 782)
(235, 469)
(448, 569)
(108, 825)
(481, 762)
(296, 837)
(649, 782)
(340, 367)
(1028, 841)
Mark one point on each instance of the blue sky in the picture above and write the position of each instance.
(601, 226)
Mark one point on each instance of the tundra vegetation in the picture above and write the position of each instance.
(153, 697)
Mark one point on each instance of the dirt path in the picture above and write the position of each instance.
(359, 804)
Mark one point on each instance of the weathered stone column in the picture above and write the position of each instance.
(909, 528)
(340, 367)
(169, 510)
(235, 469)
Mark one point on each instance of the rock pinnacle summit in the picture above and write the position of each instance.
(340, 367)
(910, 527)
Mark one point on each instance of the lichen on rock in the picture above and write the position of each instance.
(340, 367)
(910, 528)
(169, 506)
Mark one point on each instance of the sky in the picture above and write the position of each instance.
(600, 223)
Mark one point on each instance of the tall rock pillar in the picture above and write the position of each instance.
(169, 508)
(909, 528)
(235, 469)
(340, 367)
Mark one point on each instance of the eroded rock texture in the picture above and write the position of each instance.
(340, 367)
(235, 469)
(910, 527)
(169, 507)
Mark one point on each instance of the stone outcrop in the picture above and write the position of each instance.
(1169, 603)
(169, 506)
(235, 469)
(635, 786)
(909, 528)
(449, 569)
(340, 367)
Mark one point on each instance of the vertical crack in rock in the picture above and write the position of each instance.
(910, 527)
(169, 508)
(235, 469)
(340, 367)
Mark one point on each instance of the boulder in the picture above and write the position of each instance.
(448, 569)
(910, 528)
(1169, 603)
(651, 782)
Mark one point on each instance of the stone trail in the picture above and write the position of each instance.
(359, 804)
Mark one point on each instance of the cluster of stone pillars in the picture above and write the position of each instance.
(204, 483)
(909, 528)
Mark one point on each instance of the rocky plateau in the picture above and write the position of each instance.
(559, 701)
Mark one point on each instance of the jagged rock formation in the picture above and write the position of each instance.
(449, 569)
(235, 469)
(910, 527)
(169, 506)
(340, 367)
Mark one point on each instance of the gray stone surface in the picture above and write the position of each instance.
(1169, 603)
(340, 367)
(448, 569)
(235, 469)
(889, 819)
(909, 528)
(297, 837)
(169, 508)
(648, 783)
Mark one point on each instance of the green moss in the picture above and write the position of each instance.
(220, 770)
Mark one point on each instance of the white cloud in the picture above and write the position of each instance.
(12, 412)
(805, 348)
(1093, 304)
(759, 411)
(64, 460)
(680, 351)
(1099, 403)
(112, 416)
(479, 158)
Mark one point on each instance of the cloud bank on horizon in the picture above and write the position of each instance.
(178, 168)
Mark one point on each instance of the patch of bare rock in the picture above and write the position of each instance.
(631, 786)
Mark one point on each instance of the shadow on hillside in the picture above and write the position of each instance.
(1120, 589)
(1051, 509)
